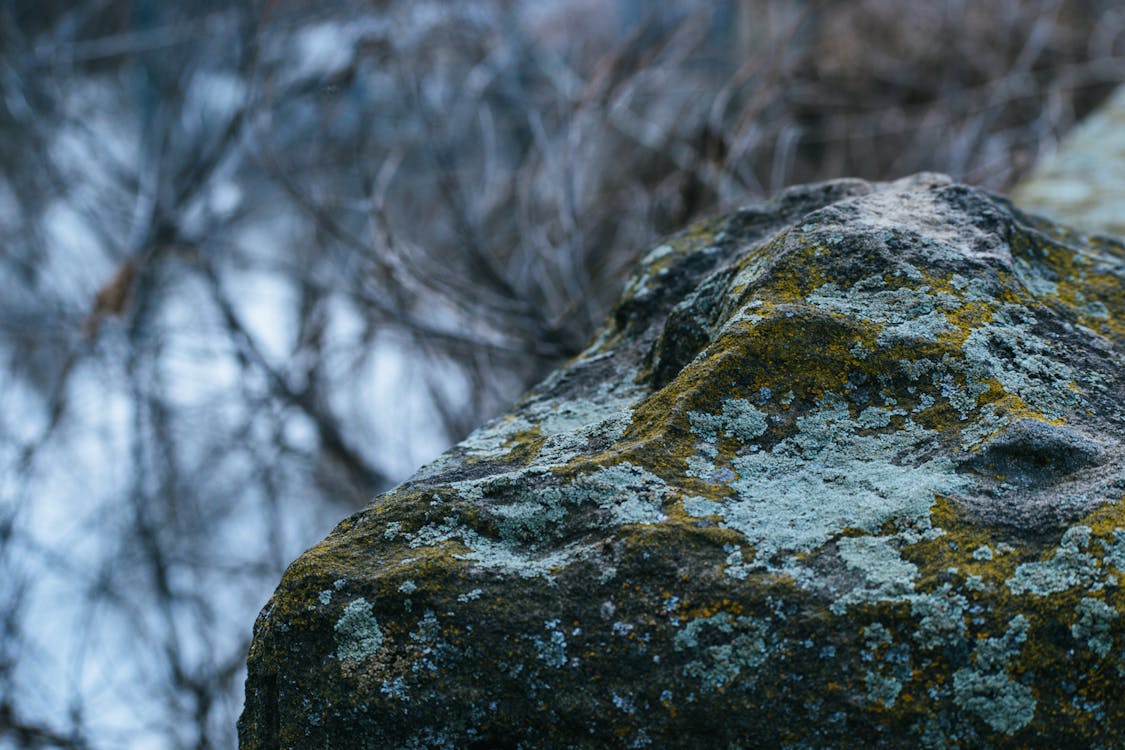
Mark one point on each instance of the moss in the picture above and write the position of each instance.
(522, 447)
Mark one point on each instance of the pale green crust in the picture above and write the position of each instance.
(843, 469)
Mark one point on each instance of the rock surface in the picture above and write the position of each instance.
(841, 469)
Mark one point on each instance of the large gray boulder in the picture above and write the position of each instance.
(843, 469)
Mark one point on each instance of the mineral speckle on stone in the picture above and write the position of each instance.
(843, 468)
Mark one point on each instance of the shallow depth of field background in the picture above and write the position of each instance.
(259, 260)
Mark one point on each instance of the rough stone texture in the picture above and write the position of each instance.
(843, 469)
(1083, 183)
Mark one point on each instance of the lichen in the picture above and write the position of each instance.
(940, 616)
(742, 648)
(1094, 626)
(357, 632)
(552, 649)
(1070, 565)
(739, 420)
(987, 690)
(886, 575)
(860, 482)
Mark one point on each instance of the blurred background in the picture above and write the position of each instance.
(261, 259)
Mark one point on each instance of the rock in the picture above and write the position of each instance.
(841, 469)
(1083, 183)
